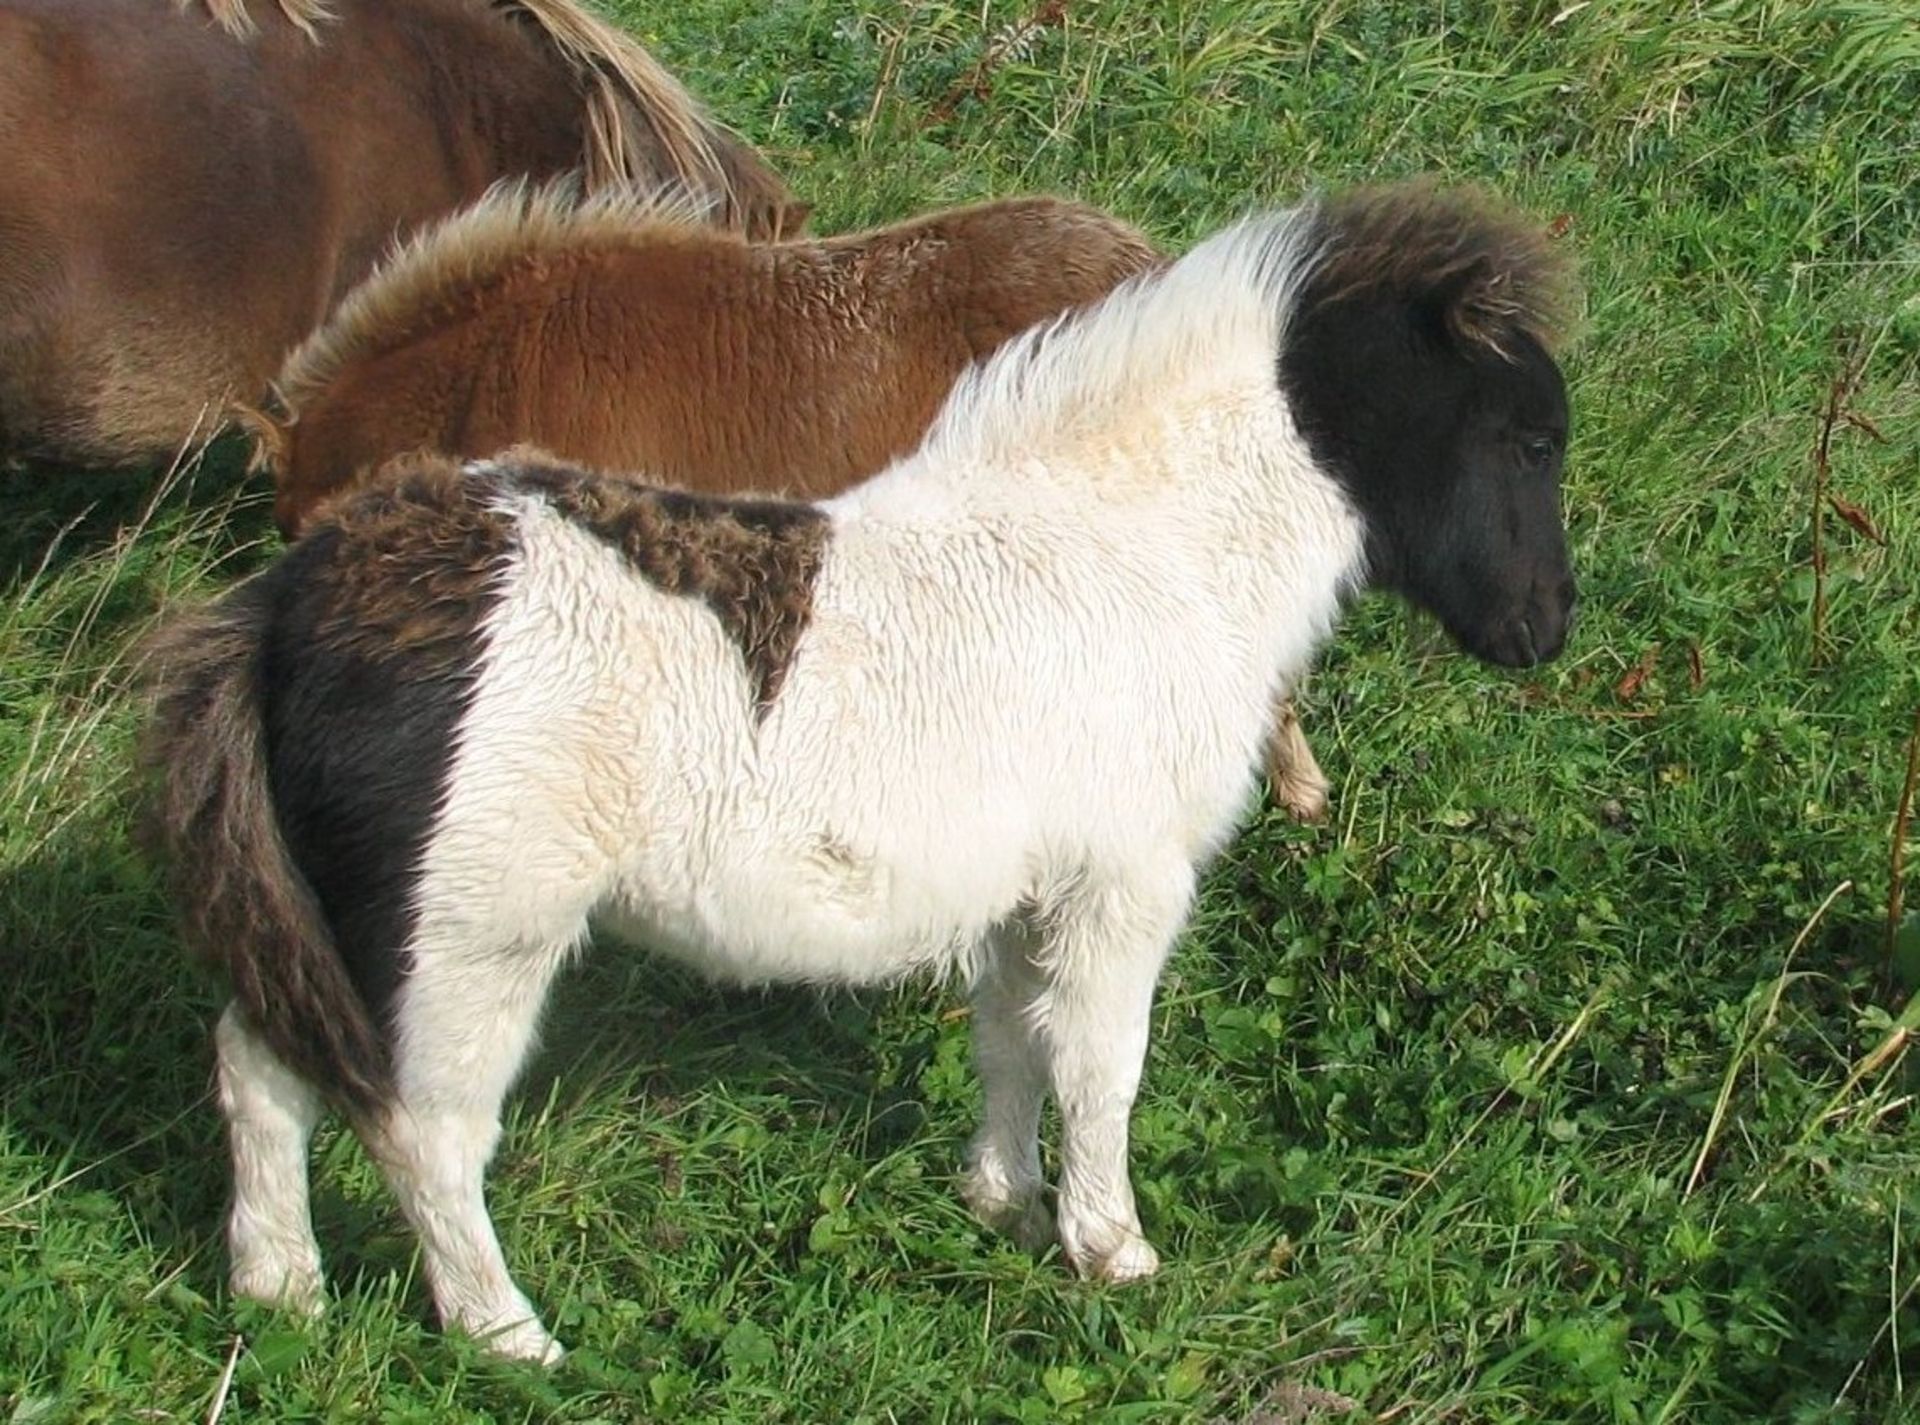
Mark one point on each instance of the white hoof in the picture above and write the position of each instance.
(297, 1287)
(1133, 1260)
(522, 1341)
(1021, 1215)
(1107, 1251)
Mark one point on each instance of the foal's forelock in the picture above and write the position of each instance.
(1494, 275)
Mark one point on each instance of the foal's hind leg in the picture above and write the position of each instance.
(271, 1113)
(1003, 1185)
(1293, 775)
(464, 1026)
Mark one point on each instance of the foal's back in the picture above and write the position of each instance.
(655, 346)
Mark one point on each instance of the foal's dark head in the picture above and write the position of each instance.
(1417, 366)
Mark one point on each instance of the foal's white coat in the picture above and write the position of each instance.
(1043, 661)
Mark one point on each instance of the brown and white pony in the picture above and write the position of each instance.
(186, 188)
(621, 335)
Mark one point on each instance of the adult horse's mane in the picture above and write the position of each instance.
(629, 95)
(1496, 274)
(236, 16)
(514, 224)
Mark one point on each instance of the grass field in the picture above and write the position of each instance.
(1556, 1079)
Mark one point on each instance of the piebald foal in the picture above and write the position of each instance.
(988, 713)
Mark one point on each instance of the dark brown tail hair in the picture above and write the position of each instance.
(244, 904)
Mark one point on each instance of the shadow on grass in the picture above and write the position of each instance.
(55, 516)
(105, 1031)
(628, 1014)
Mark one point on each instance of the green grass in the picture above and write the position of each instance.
(1428, 1085)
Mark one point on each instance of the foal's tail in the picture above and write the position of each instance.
(245, 905)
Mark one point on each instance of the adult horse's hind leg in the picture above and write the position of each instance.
(271, 1113)
(1104, 945)
(464, 1026)
(1003, 1185)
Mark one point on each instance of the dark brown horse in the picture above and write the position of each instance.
(187, 188)
(621, 335)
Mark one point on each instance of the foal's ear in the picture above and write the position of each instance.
(1476, 304)
(791, 220)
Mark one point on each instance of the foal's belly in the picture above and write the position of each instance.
(817, 912)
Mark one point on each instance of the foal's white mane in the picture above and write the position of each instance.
(1212, 318)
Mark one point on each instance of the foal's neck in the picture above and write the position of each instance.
(1271, 534)
(1214, 487)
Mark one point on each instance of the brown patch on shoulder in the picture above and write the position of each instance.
(414, 564)
(1496, 273)
(752, 562)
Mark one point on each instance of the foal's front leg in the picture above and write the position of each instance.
(1104, 945)
(1003, 1185)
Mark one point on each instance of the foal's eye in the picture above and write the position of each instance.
(1540, 450)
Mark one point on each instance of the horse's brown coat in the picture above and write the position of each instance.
(628, 340)
(187, 188)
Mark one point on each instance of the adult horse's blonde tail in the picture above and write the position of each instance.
(246, 906)
(236, 16)
(635, 106)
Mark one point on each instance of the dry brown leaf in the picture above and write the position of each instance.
(1628, 688)
(1855, 516)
